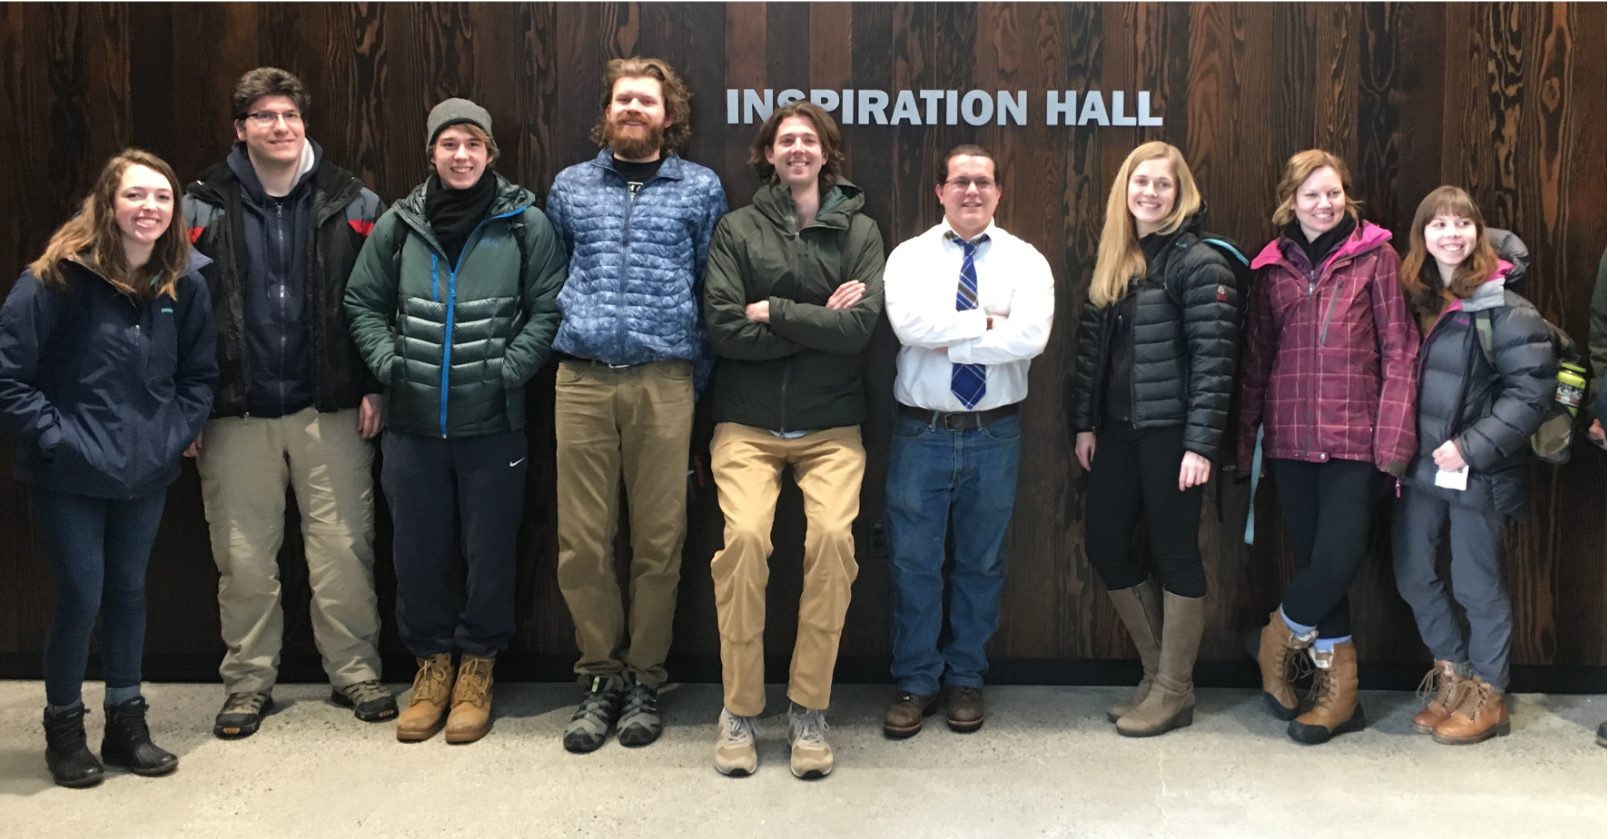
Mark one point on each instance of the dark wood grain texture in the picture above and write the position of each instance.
(1504, 99)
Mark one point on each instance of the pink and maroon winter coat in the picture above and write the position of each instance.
(1330, 356)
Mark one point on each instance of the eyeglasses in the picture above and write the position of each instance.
(266, 119)
(964, 184)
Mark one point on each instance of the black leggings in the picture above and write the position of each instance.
(1327, 507)
(1136, 471)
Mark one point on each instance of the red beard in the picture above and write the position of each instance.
(637, 144)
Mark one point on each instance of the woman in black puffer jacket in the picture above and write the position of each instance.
(1156, 356)
(1477, 407)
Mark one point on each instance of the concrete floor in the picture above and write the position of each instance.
(1046, 764)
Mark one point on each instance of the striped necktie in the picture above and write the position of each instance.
(968, 381)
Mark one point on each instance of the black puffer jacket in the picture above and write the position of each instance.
(1489, 409)
(1185, 340)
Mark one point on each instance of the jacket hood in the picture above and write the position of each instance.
(511, 197)
(239, 163)
(193, 265)
(1490, 294)
(1368, 236)
(1511, 248)
(838, 205)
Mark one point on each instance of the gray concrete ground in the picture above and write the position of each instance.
(1046, 764)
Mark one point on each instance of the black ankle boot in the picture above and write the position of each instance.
(67, 754)
(128, 741)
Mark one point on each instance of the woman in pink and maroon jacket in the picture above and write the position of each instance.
(1328, 400)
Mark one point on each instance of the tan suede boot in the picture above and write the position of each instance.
(427, 710)
(1140, 611)
(1481, 715)
(1447, 686)
(471, 700)
(1334, 687)
(1170, 703)
(1280, 651)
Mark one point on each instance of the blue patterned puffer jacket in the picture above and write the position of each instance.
(636, 270)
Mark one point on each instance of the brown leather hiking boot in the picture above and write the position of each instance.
(1280, 651)
(1481, 715)
(1447, 686)
(965, 709)
(471, 700)
(1334, 689)
(1171, 701)
(905, 715)
(427, 710)
(1140, 610)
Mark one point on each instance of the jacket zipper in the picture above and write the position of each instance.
(452, 300)
(279, 229)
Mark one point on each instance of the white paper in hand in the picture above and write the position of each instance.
(1452, 480)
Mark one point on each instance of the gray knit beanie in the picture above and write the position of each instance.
(453, 111)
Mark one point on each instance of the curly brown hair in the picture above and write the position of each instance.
(677, 99)
(825, 128)
(93, 237)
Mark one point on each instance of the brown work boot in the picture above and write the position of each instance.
(432, 691)
(1140, 611)
(1334, 689)
(1481, 715)
(1280, 651)
(471, 700)
(965, 709)
(1447, 685)
(1171, 701)
(905, 715)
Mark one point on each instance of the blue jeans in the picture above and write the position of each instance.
(98, 548)
(937, 478)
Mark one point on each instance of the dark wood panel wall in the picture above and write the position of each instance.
(1504, 99)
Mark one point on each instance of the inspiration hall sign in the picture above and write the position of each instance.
(947, 107)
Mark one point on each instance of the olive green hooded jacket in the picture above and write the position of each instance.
(803, 370)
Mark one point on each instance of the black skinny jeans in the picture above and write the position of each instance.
(1327, 507)
(1134, 472)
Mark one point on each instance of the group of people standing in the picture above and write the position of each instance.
(275, 318)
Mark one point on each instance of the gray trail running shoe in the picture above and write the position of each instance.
(370, 701)
(812, 755)
(639, 720)
(242, 713)
(589, 726)
(735, 754)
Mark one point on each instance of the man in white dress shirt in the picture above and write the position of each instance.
(972, 305)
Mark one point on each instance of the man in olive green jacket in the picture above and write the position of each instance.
(453, 305)
(793, 292)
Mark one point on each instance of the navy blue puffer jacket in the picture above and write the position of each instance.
(636, 262)
(104, 394)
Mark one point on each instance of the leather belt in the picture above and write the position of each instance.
(592, 362)
(959, 420)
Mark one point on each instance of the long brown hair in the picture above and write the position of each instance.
(1421, 277)
(825, 129)
(1297, 169)
(93, 234)
(677, 99)
(1119, 259)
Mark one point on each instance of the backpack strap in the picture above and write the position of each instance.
(1482, 326)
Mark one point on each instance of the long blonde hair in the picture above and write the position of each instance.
(1119, 259)
(94, 233)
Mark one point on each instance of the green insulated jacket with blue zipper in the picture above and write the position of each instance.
(455, 344)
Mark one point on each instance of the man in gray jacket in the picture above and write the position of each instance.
(636, 222)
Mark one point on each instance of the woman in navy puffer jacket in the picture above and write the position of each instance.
(106, 374)
(1479, 400)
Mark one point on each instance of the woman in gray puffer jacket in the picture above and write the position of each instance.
(1479, 400)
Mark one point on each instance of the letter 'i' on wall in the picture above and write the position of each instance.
(976, 107)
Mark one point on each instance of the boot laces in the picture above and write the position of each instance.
(431, 681)
(1325, 688)
(474, 677)
(67, 729)
(1473, 699)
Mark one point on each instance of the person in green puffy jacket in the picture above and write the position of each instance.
(453, 305)
(792, 294)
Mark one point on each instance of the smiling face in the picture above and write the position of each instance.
(279, 142)
(796, 153)
(1152, 193)
(143, 206)
(1320, 202)
(460, 157)
(1450, 239)
(969, 195)
(637, 118)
